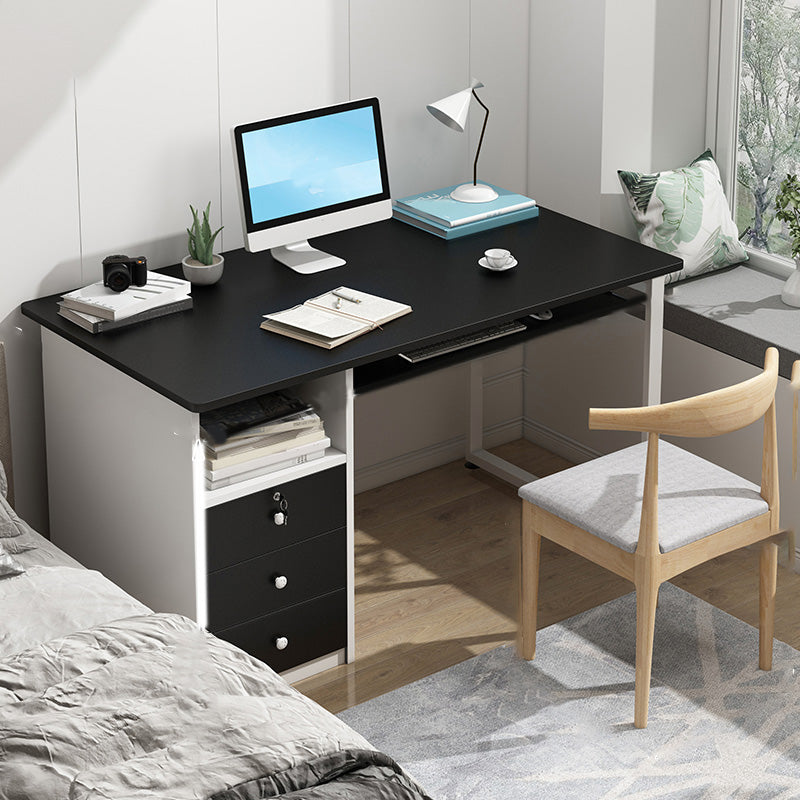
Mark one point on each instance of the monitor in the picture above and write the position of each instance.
(310, 174)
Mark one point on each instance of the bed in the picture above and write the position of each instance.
(102, 698)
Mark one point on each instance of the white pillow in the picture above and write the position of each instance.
(684, 212)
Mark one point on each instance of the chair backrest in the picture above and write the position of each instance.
(705, 415)
(710, 414)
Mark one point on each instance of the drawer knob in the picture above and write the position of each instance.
(279, 518)
(281, 643)
(281, 581)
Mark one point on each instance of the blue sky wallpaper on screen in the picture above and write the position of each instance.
(312, 163)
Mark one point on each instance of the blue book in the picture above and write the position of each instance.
(468, 228)
(437, 206)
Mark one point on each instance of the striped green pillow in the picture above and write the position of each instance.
(684, 212)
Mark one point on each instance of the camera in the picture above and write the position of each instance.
(119, 272)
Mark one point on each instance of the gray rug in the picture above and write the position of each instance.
(561, 726)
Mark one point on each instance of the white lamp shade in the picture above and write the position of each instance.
(452, 110)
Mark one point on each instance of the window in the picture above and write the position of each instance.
(757, 115)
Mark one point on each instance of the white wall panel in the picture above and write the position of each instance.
(410, 54)
(147, 123)
(566, 100)
(275, 59)
(43, 45)
(499, 31)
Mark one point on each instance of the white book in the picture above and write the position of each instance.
(102, 302)
(218, 483)
(335, 317)
(267, 460)
(303, 419)
(280, 443)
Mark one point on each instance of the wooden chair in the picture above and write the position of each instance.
(684, 512)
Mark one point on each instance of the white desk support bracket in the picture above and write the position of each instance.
(653, 341)
(476, 453)
(653, 347)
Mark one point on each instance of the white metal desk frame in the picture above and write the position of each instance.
(653, 348)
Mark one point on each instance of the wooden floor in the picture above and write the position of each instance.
(435, 576)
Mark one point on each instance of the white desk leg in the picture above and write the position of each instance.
(653, 341)
(476, 454)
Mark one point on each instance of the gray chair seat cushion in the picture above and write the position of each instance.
(604, 496)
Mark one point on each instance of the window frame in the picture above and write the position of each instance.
(722, 109)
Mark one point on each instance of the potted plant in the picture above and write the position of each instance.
(787, 204)
(202, 265)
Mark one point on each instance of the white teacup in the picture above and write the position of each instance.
(497, 258)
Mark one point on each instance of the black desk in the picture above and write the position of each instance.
(217, 353)
(125, 462)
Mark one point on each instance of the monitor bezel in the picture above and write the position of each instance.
(244, 185)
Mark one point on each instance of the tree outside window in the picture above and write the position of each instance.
(769, 119)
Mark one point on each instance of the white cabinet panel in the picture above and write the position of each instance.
(409, 54)
(275, 59)
(147, 123)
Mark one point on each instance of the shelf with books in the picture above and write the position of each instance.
(331, 457)
(278, 437)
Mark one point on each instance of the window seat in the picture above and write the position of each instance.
(737, 311)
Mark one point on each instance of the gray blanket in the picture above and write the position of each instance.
(151, 707)
(346, 775)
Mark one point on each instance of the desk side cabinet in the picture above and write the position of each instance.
(127, 497)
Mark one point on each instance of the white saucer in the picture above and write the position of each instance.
(484, 263)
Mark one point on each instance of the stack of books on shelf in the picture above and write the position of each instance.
(437, 212)
(260, 436)
(96, 308)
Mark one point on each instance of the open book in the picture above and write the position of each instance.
(334, 317)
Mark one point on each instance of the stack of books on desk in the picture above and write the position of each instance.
(96, 308)
(291, 438)
(437, 212)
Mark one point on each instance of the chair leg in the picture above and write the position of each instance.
(530, 547)
(646, 602)
(768, 581)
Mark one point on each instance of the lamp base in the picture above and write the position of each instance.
(473, 193)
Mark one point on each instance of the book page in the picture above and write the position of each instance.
(370, 308)
(317, 321)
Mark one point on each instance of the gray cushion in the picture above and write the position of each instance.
(604, 496)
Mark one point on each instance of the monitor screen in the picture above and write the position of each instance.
(300, 174)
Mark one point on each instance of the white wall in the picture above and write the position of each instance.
(118, 116)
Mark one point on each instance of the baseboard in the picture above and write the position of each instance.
(556, 442)
(433, 455)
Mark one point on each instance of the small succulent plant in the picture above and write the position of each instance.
(201, 239)
(787, 204)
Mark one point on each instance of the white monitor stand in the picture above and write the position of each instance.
(305, 259)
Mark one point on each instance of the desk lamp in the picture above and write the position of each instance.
(452, 111)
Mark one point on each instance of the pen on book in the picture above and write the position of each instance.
(337, 293)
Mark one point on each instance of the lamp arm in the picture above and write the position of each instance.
(480, 141)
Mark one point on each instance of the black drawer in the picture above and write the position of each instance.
(244, 528)
(247, 590)
(312, 629)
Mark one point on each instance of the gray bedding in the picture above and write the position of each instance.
(151, 707)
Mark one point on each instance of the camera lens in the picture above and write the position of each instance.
(118, 278)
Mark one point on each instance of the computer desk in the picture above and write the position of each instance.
(125, 460)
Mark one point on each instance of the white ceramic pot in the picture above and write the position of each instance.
(791, 289)
(203, 274)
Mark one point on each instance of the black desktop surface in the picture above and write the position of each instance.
(217, 353)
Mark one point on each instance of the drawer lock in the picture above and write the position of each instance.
(281, 516)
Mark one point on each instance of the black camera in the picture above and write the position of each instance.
(119, 272)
